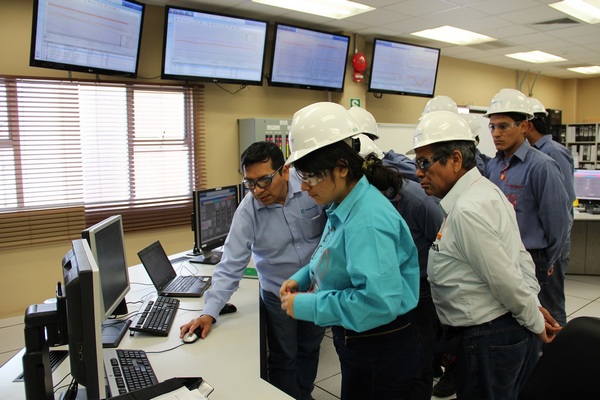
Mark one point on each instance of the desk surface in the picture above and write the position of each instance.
(584, 216)
(228, 359)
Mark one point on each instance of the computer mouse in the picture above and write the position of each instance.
(189, 338)
(228, 308)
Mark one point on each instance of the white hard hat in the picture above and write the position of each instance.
(509, 101)
(441, 126)
(319, 125)
(366, 122)
(368, 146)
(536, 106)
(440, 103)
(473, 122)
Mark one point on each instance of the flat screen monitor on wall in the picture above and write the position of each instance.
(95, 36)
(213, 213)
(402, 68)
(587, 187)
(211, 47)
(308, 59)
(107, 243)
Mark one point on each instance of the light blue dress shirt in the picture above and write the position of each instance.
(280, 238)
(364, 273)
(534, 185)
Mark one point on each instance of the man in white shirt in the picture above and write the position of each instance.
(482, 279)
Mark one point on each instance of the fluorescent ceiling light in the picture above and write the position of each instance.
(450, 34)
(536, 56)
(586, 70)
(585, 10)
(337, 9)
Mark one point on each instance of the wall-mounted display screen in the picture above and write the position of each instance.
(402, 68)
(95, 36)
(308, 59)
(211, 47)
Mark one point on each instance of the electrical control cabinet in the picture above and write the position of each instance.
(274, 130)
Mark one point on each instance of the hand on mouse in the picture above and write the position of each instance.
(204, 322)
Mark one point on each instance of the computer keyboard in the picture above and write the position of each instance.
(156, 315)
(181, 283)
(127, 370)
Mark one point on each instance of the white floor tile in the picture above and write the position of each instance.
(584, 290)
(574, 304)
(584, 278)
(591, 310)
(329, 364)
(331, 385)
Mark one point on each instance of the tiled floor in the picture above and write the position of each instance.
(583, 299)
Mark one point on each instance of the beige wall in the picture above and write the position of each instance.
(466, 82)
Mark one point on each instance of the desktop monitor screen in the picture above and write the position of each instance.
(308, 59)
(587, 187)
(107, 243)
(212, 47)
(84, 319)
(95, 36)
(402, 68)
(213, 213)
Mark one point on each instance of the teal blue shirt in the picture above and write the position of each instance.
(365, 271)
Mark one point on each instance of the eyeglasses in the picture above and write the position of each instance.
(311, 178)
(262, 183)
(425, 163)
(503, 126)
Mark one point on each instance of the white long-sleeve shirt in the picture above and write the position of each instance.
(478, 267)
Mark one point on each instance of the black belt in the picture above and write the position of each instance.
(459, 329)
(401, 322)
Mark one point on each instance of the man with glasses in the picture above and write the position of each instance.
(531, 181)
(482, 279)
(279, 226)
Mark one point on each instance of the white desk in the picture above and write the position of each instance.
(228, 359)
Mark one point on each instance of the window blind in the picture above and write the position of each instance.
(75, 152)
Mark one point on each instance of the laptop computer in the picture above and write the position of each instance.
(164, 277)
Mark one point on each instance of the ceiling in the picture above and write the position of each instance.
(519, 26)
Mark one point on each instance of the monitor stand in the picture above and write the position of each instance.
(207, 257)
(113, 331)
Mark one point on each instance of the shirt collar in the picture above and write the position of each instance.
(340, 212)
(459, 188)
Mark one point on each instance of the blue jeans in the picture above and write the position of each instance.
(377, 366)
(425, 324)
(552, 295)
(495, 360)
(293, 349)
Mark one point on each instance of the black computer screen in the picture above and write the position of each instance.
(213, 214)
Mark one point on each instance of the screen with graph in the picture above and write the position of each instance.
(95, 36)
(308, 59)
(402, 68)
(213, 47)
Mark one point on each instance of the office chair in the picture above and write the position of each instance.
(570, 366)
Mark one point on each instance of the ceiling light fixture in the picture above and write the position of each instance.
(450, 34)
(537, 57)
(580, 9)
(595, 69)
(337, 9)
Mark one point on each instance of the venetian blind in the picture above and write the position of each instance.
(74, 152)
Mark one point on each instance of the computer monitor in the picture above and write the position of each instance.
(402, 68)
(81, 282)
(205, 46)
(95, 36)
(213, 213)
(107, 242)
(587, 187)
(308, 58)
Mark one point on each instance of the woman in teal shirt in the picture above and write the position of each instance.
(363, 278)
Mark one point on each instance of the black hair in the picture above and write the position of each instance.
(340, 154)
(261, 152)
(540, 125)
(467, 149)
